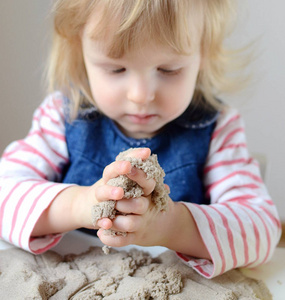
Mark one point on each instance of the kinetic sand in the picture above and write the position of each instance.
(120, 275)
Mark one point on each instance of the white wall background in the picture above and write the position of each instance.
(23, 42)
(24, 37)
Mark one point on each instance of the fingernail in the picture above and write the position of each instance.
(133, 171)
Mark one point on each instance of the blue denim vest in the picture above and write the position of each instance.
(94, 141)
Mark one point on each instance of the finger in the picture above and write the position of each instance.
(142, 153)
(108, 192)
(115, 169)
(140, 178)
(128, 223)
(137, 206)
(104, 223)
(115, 240)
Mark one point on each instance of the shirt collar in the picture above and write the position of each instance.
(198, 116)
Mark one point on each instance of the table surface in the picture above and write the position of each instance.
(272, 273)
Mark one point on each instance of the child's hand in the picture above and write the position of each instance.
(105, 192)
(138, 215)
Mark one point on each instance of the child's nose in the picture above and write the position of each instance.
(141, 90)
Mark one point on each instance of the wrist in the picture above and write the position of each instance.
(184, 235)
(78, 212)
(174, 226)
(60, 215)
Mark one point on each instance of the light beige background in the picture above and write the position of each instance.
(24, 37)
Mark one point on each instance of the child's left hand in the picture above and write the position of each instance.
(144, 225)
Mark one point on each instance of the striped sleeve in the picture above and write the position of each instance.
(30, 172)
(240, 227)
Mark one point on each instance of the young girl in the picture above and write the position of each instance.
(140, 74)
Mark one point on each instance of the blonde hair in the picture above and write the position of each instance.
(170, 22)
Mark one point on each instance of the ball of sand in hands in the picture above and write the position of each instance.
(159, 196)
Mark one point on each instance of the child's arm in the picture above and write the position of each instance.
(241, 227)
(29, 172)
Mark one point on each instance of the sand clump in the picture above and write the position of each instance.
(122, 275)
(131, 189)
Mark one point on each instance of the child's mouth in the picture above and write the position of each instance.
(141, 119)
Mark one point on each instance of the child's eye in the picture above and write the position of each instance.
(118, 71)
(169, 71)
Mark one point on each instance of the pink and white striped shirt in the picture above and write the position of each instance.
(239, 228)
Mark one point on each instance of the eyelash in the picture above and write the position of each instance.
(169, 72)
(165, 72)
(118, 71)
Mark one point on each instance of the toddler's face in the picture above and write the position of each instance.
(143, 90)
